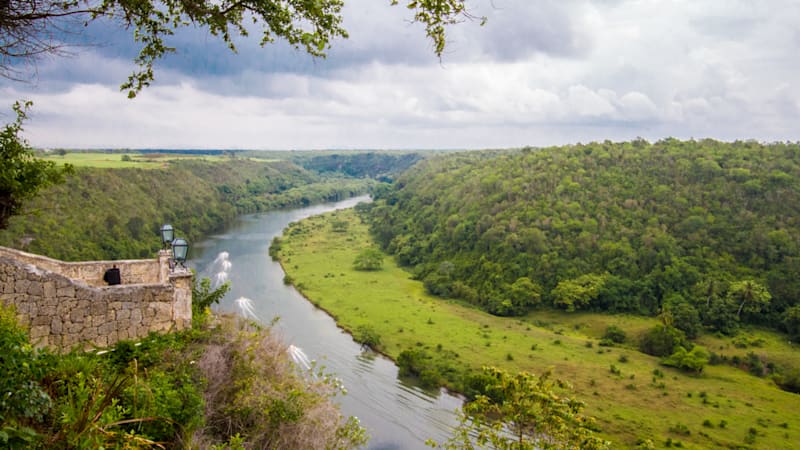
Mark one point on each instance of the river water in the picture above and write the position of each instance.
(396, 413)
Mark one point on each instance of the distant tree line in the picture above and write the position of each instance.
(117, 213)
(704, 232)
(378, 165)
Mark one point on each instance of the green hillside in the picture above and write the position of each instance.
(114, 213)
(706, 233)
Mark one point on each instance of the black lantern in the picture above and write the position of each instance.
(180, 248)
(167, 234)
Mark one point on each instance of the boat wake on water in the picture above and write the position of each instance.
(299, 357)
(246, 308)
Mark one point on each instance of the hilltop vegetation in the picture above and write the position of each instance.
(635, 397)
(379, 165)
(705, 233)
(115, 213)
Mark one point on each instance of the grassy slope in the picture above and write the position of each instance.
(114, 160)
(628, 406)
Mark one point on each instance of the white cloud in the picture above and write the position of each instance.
(541, 72)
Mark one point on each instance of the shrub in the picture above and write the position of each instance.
(203, 296)
(681, 429)
(691, 361)
(369, 259)
(661, 340)
(255, 395)
(367, 336)
(615, 334)
(21, 396)
(789, 380)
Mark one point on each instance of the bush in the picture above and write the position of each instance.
(256, 395)
(661, 340)
(789, 380)
(21, 396)
(369, 259)
(367, 336)
(615, 334)
(691, 361)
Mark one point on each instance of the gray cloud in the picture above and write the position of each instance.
(540, 72)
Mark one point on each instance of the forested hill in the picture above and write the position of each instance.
(116, 213)
(380, 165)
(704, 230)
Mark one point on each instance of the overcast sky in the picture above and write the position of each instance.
(538, 73)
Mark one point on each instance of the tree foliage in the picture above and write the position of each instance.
(690, 361)
(369, 259)
(705, 230)
(203, 295)
(28, 27)
(21, 174)
(661, 340)
(523, 412)
(116, 213)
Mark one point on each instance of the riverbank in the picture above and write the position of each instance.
(396, 412)
(631, 394)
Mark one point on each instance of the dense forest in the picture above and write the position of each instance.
(379, 165)
(704, 233)
(116, 213)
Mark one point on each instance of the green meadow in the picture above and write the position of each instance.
(124, 160)
(631, 395)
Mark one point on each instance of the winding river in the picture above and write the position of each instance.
(396, 413)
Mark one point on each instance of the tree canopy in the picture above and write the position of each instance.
(523, 412)
(21, 174)
(28, 28)
(706, 231)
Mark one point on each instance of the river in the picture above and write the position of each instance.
(396, 413)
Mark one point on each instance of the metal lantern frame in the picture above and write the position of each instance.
(180, 249)
(167, 234)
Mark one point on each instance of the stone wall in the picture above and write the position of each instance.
(62, 312)
(132, 271)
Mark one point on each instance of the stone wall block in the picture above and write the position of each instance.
(99, 308)
(77, 315)
(164, 311)
(35, 288)
(49, 288)
(136, 316)
(21, 286)
(56, 325)
(40, 320)
(65, 291)
(113, 336)
(100, 341)
(39, 331)
(105, 328)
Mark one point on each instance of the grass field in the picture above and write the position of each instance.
(115, 160)
(639, 399)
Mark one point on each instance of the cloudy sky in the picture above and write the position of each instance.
(540, 72)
